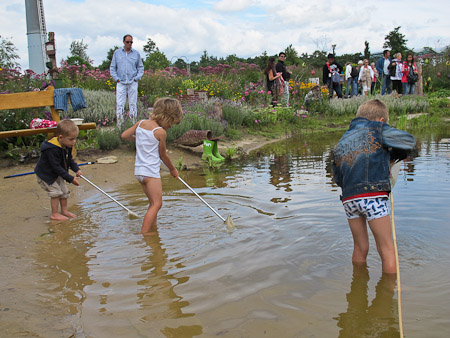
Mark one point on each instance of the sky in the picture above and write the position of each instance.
(247, 28)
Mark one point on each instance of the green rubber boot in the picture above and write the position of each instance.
(208, 151)
(215, 151)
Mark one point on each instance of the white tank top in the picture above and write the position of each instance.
(147, 161)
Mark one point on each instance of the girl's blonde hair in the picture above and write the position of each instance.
(167, 109)
(373, 110)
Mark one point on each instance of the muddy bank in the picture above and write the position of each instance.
(28, 306)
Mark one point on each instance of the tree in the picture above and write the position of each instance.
(8, 54)
(150, 47)
(79, 48)
(366, 50)
(156, 60)
(291, 56)
(207, 60)
(106, 63)
(395, 41)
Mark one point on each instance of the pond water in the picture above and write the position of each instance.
(284, 271)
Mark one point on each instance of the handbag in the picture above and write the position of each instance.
(412, 76)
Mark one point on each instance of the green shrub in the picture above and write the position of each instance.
(192, 121)
(101, 108)
(235, 113)
(108, 139)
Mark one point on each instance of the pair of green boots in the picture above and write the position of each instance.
(210, 150)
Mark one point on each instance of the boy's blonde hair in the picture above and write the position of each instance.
(373, 110)
(66, 127)
(167, 109)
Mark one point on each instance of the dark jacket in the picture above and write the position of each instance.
(281, 68)
(55, 161)
(326, 71)
(361, 158)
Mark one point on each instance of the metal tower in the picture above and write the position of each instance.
(37, 35)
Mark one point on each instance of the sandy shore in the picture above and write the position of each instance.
(26, 308)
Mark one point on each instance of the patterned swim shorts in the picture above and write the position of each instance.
(370, 208)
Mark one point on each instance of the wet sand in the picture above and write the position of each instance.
(27, 309)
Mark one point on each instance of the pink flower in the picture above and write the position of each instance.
(246, 93)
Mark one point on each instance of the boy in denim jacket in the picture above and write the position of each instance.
(361, 169)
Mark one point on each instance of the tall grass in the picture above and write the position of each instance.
(396, 105)
(101, 107)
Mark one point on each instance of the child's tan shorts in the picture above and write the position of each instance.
(56, 189)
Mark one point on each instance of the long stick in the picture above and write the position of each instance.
(399, 288)
(201, 199)
(130, 213)
(32, 172)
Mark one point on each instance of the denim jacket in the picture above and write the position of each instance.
(361, 158)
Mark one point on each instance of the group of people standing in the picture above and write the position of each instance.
(401, 74)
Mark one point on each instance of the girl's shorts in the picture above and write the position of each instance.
(370, 208)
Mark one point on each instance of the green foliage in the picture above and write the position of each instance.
(436, 71)
(156, 61)
(396, 41)
(101, 108)
(150, 47)
(231, 151)
(192, 121)
(107, 63)
(366, 50)
(87, 139)
(78, 50)
(109, 139)
(8, 54)
(235, 113)
(397, 106)
(179, 163)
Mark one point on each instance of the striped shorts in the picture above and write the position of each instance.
(370, 208)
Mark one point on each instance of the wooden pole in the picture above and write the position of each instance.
(399, 288)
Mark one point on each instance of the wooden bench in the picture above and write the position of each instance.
(33, 100)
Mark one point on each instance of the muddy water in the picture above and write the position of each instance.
(285, 269)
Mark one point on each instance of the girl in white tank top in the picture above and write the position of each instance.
(150, 136)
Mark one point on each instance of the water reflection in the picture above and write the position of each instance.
(379, 319)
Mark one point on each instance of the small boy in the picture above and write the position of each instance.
(361, 169)
(313, 95)
(53, 166)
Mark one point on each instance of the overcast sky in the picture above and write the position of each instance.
(246, 28)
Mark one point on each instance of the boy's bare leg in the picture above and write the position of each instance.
(381, 229)
(64, 211)
(54, 202)
(153, 189)
(360, 239)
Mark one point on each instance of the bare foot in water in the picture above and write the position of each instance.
(69, 214)
(58, 217)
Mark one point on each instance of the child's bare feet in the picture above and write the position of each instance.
(58, 217)
(69, 214)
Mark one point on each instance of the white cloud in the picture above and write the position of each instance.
(233, 5)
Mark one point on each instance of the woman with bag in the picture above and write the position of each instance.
(410, 75)
(273, 79)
